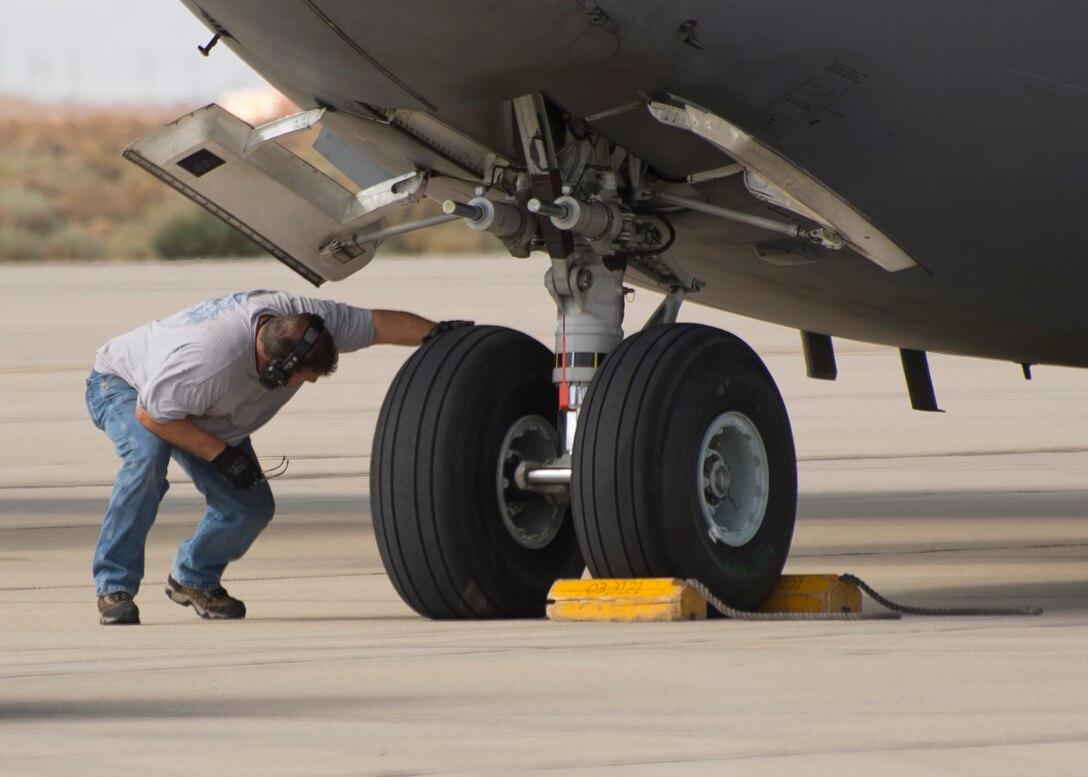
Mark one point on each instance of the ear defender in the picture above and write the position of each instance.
(276, 373)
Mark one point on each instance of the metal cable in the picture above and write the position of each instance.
(931, 611)
(896, 610)
(744, 615)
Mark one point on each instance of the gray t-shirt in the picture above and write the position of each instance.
(201, 363)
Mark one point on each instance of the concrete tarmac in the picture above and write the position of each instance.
(331, 674)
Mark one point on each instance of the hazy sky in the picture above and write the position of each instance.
(111, 51)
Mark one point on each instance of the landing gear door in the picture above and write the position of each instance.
(255, 184)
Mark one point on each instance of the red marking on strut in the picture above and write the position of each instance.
(564, 387)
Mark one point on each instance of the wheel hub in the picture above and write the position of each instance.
(716, 478)
(531, 519)
(733, 479)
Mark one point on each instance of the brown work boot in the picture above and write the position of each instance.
(117, 609)
(215, 604)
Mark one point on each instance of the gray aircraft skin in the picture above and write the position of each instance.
(941, 144)
(957, 128)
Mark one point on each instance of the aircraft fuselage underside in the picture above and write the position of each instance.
(963, 148)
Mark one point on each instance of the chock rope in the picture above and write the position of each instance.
(907, 610)
(896, 610)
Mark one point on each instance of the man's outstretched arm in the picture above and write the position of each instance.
(396, 327)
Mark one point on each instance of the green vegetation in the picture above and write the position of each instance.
(31, 229)
(65, 191)
(202, 235)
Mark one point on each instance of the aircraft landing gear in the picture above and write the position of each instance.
(497, 468)
(682, 465)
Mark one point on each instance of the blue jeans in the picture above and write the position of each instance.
(231, 523)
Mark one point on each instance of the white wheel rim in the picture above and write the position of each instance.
(732, 478)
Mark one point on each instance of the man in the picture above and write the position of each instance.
(193, 387)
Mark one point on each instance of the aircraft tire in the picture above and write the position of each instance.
(435, 479)
(672, 410)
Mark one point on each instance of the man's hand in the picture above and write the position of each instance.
(238, 468)
(445, 326)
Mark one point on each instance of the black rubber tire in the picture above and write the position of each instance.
(634, 491)
(433, 475)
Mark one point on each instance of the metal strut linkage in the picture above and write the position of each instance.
(585, 204)
(568, 203)
(818, 235)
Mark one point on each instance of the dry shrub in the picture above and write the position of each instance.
(27, 210)
(72, 242)
(202, 235)
(18, 244)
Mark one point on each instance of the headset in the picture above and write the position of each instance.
(276, 373)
